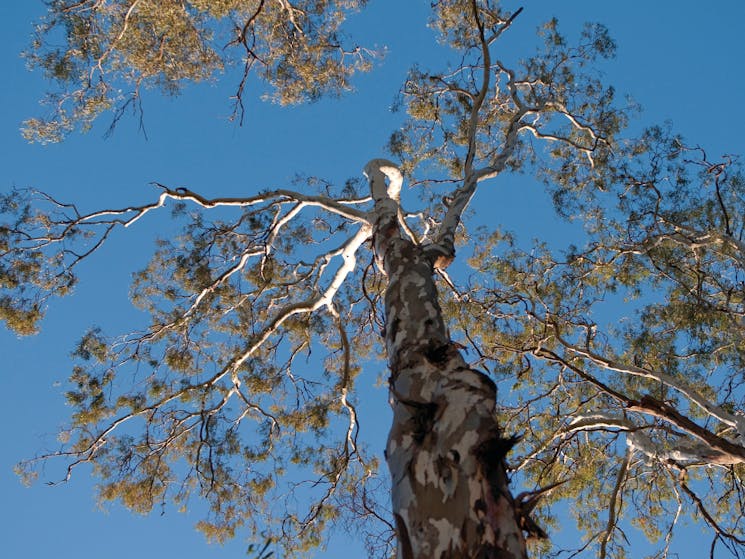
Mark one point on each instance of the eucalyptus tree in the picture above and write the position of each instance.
(637, 416)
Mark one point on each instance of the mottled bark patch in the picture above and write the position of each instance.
(450, 491)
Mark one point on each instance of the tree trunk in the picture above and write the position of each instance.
(445, 450)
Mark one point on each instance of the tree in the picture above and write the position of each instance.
(621, 417)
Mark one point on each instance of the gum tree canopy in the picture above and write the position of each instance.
(619, 360)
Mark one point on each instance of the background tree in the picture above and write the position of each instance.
(585, 392)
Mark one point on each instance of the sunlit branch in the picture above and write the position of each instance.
(442, 248)
(612, 505)
(582, 423)
(451, 87)
(250, 406)
(290, 10)
(693, 239)
(708, 517)
(714, 450)
(350, 444)
(322, 299)
(339, 207)
(678, 511)
(124, 217)
(504, 24)
(214, 285)
(588, 151)
(478, 99)
(690, 393)
(509, 146)
(443, 245)
(57, 229)
(112, 45)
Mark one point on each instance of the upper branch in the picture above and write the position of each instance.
(41, 246)
(324, 298)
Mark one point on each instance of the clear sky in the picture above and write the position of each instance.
(681, 60)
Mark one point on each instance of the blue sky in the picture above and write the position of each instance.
(681, 60)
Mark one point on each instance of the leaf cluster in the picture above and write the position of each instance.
(648, 309)
(485, 112)
(241, 389)
(102, 54)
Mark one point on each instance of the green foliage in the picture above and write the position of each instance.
(219, 396)
(101, 55)
(28, 275)
(655, 292)
(556, 95)
(240, 389)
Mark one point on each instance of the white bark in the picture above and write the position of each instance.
(685, 452)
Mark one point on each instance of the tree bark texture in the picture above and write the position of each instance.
(445, 451)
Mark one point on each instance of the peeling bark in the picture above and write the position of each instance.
(445, 451)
